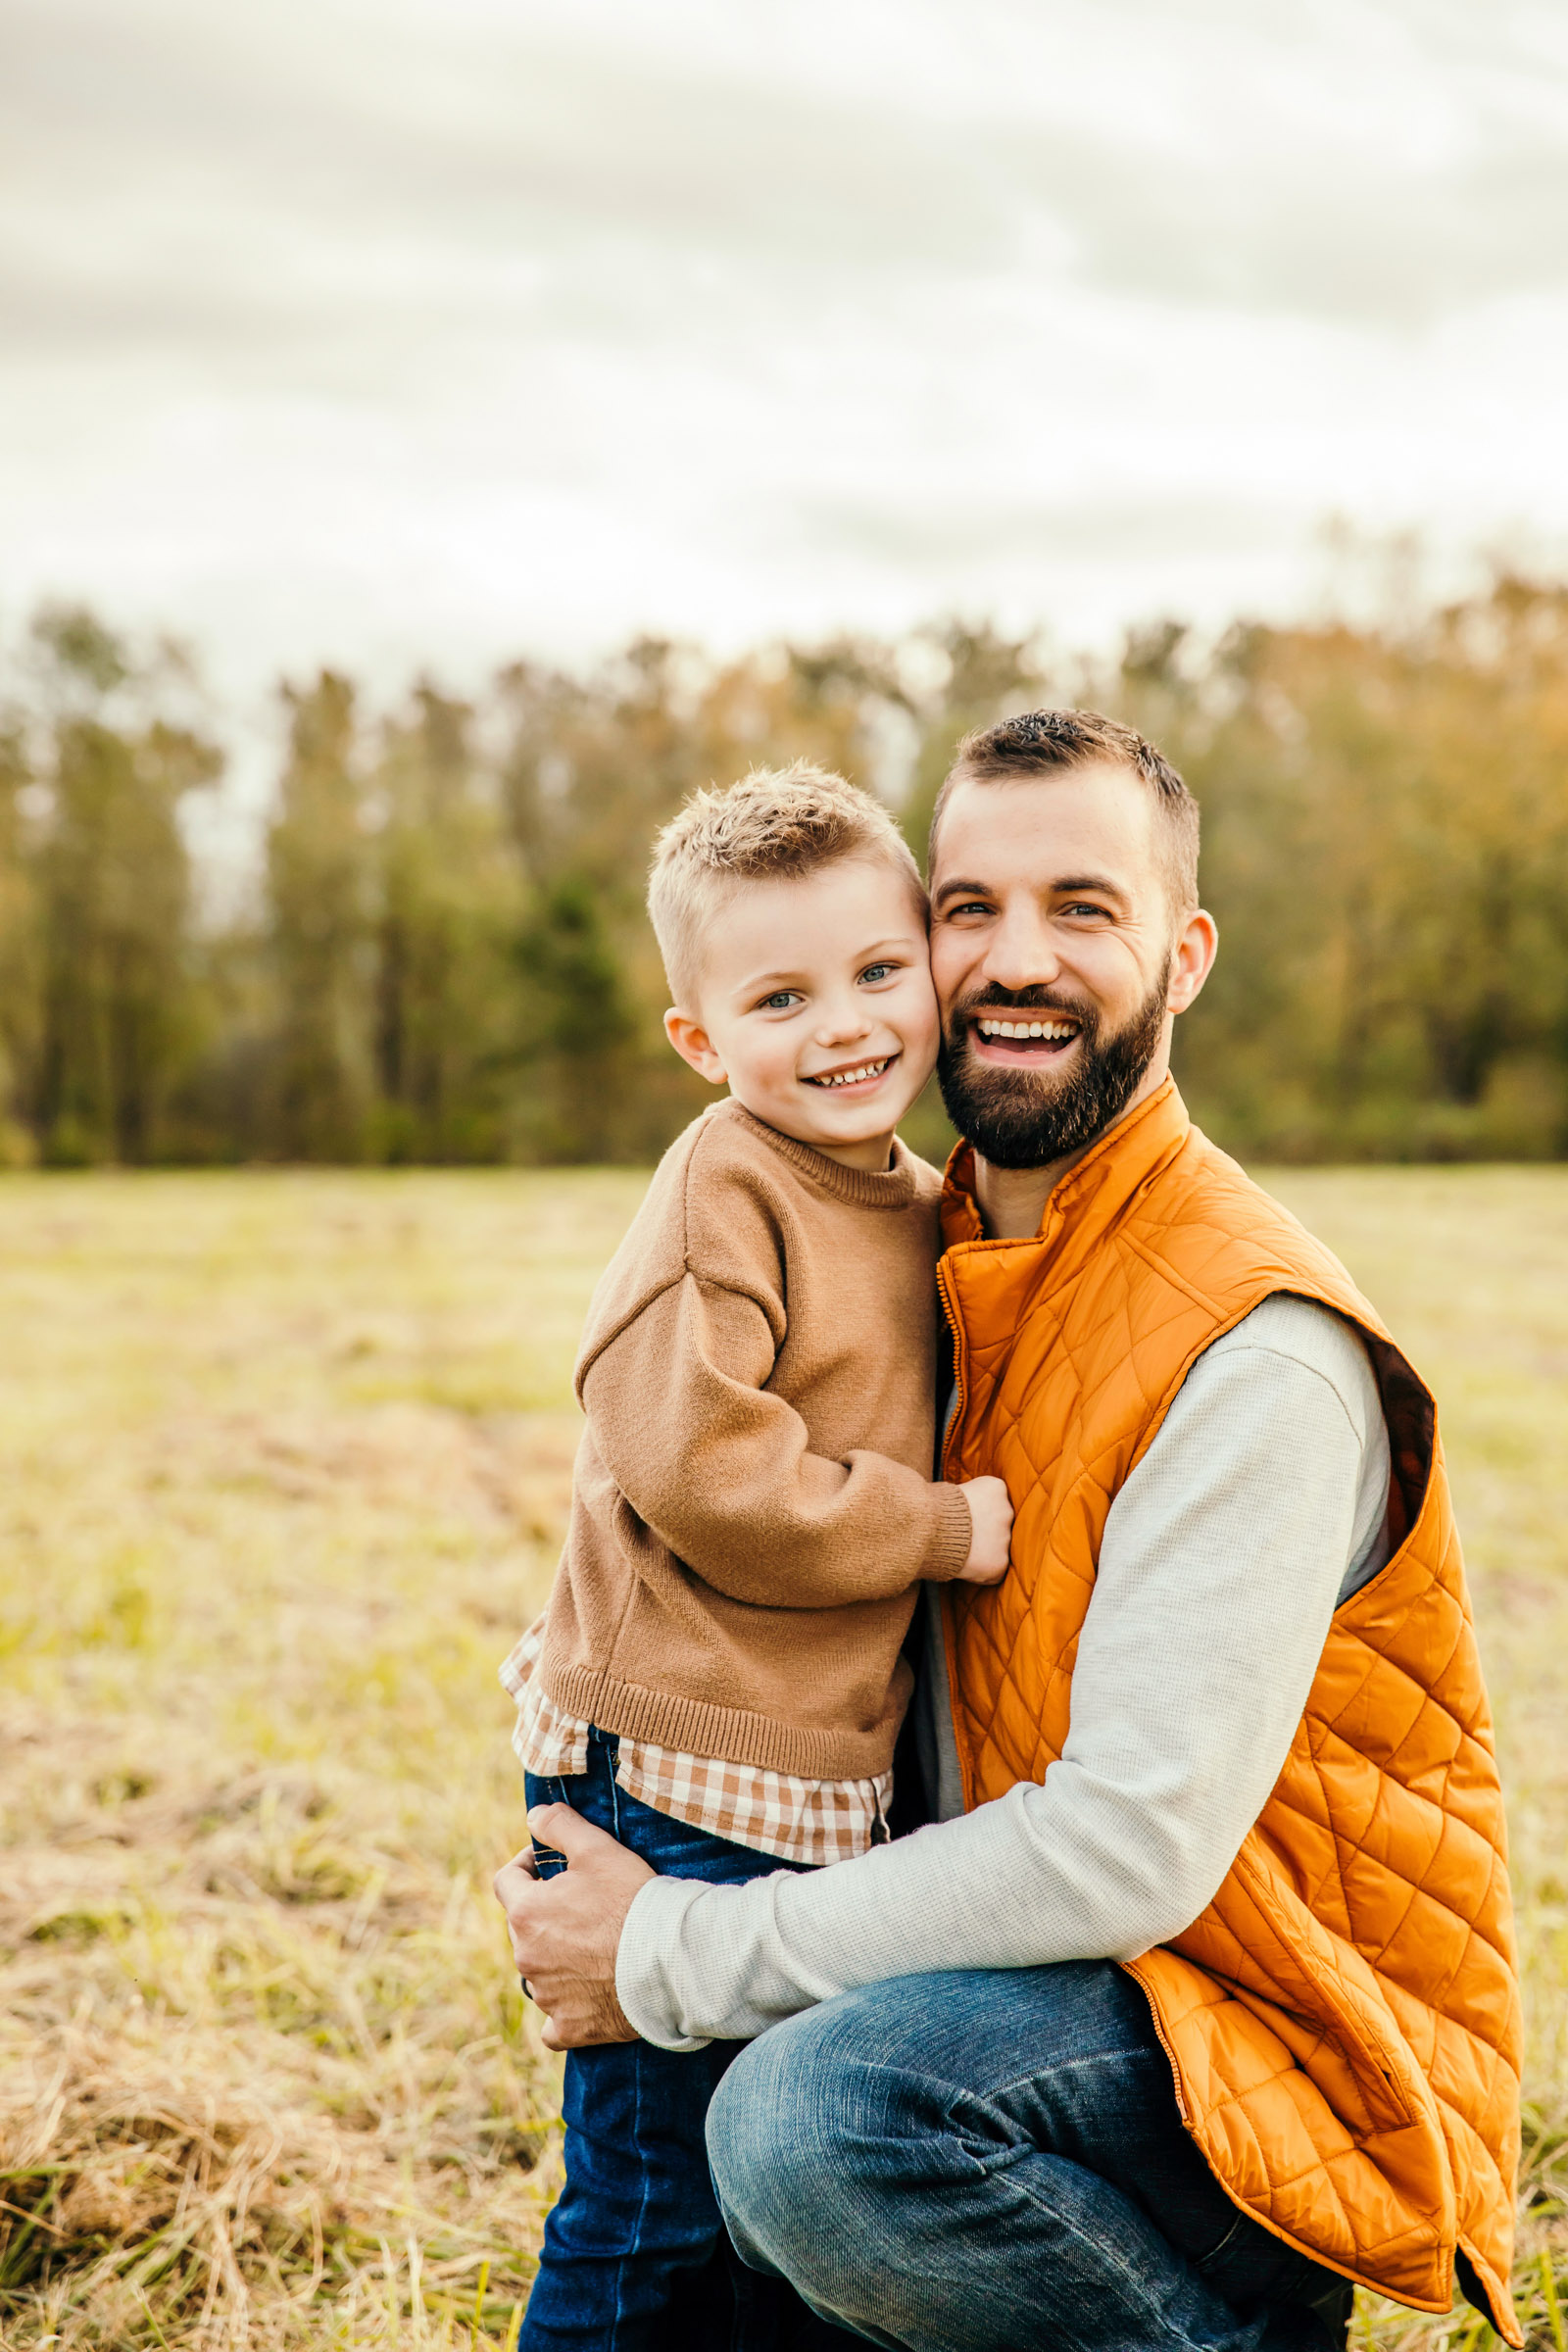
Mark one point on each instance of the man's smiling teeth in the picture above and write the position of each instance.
(1056, 1029)
(867, 1069)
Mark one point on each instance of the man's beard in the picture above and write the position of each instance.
(1020, 1118)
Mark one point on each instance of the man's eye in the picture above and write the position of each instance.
(970, 906)
(1084, 908)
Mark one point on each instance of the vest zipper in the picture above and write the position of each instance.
(1130, 1967)
(950, 1642)
(960, 1394)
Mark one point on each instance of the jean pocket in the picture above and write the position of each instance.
(1250, 2265)
(1206, 2264)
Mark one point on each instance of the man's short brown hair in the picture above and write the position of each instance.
(1040, 743)
(775, 824)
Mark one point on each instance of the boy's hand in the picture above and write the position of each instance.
(566, 1931)
(991, 1513)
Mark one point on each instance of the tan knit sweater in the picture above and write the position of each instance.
(753, 1508)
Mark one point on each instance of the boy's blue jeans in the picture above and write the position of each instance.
(992, 2162)
(634, 2253)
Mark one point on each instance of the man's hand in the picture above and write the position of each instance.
(991, 1520)
(566, 1931)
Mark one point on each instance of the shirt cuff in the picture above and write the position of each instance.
(646, 1959)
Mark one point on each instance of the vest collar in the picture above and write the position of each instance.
(1089, 1199)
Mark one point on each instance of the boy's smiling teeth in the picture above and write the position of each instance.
(867, 1069)
(995, 1028)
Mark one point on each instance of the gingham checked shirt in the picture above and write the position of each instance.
(798, 1821)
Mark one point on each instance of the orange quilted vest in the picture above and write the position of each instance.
(1343, 2021)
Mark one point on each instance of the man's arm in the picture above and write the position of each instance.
(1222, 1560)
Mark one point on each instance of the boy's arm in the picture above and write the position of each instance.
(724, 1472)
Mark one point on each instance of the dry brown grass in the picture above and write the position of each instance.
(1470, 1268)
(282, 1465)
(285, 1460)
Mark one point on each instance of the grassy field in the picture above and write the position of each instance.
(283, 1463)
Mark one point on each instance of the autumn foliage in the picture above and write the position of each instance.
(441, 953)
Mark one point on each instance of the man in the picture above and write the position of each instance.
(1198, 1998)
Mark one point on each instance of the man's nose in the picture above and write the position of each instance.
(1020, 951)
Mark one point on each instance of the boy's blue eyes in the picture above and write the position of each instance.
(782, 999)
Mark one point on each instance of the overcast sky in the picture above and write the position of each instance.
(402, 330)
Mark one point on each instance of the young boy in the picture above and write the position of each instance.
(719, 1678)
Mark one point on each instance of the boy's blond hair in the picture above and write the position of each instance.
(775, 824)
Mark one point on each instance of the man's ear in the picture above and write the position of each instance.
(693, 1044)
(1192, 960)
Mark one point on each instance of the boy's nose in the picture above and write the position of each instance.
(841, 1024)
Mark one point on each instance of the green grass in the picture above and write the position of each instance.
(283, 1465)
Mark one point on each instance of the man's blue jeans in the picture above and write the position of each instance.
(988, 2162)
(634, 2253)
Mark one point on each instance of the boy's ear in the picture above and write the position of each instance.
(693, 1044)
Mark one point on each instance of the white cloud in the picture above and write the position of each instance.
(397, 329)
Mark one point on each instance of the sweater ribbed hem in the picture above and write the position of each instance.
(865, 1188)
(697, 1727)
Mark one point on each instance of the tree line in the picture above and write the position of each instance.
(443, 957)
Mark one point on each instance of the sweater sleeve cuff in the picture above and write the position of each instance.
(646, 1957)
(950, 1538)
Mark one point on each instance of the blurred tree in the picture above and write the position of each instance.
(578, 1045)
(320, 914)
(961, 677)
(20, 945)
(1386, 847)
(448, 957)
(103, 951)
(448, 894)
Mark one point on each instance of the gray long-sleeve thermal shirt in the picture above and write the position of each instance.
(1260, 1506)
